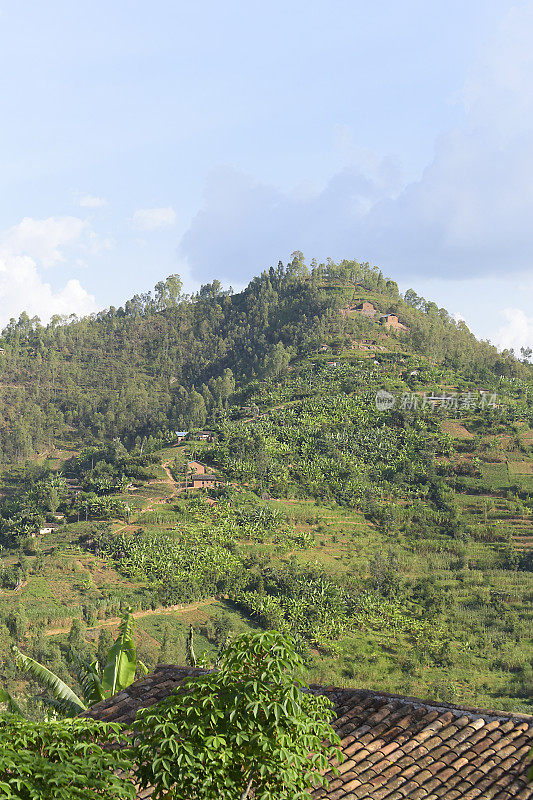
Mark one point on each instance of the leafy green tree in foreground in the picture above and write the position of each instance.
(246, 729)
(97, 681)
(67, 760)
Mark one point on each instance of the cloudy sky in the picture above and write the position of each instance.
(213, 139)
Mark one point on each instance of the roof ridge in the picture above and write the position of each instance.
(421, 702)
(415, 701)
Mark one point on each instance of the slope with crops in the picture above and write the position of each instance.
(376, 484)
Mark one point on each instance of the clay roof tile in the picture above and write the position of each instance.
(396, 748)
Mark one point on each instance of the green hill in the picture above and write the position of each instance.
(377, 484)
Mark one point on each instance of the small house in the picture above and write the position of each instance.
(367, 309)
(392, 322)
(196, 467)
(204, 481)
(205, 436)
(180, 436)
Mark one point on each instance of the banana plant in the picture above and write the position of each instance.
(121, 665)
(97, 682)
(62, 697)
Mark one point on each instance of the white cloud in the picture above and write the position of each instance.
(517, 332)
(150, 219)
(43, 239)
(90, 201)
(26, 246)
(246, 226)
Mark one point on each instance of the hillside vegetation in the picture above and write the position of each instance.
(392, 540)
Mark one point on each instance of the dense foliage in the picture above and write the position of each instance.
(245, 730)
(98, 679)
(161, 362)
(392, 544)
(62, 760)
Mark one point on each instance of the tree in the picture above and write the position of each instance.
(384, 571)
(76, 637)
(210, 290)
(277, 360)
(96, 680)
(105, 643)
(53, 501)
(246, 729)
(17, 620)
(63, 760)
(195, 410)
(167, 292)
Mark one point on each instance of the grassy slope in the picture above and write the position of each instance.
(343, 543)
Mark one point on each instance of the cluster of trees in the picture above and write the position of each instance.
(109, 468)
(201, 557)
(206, 558)
(42, 493)
(317, 610)
(137, 370)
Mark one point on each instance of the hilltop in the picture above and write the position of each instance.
(139, 369)
(371, 487)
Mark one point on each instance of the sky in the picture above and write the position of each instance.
(214, 139)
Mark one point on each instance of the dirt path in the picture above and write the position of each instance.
(169, 480)
(112, 621)
(17, 589)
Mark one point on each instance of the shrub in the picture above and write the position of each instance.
(62, 760)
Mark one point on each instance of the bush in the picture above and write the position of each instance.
(62, 760)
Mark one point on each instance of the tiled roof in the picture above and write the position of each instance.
(395, 748)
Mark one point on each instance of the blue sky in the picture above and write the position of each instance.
(212, 139)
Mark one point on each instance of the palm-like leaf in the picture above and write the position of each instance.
(68, 700)
(119, 671)
(12, 705)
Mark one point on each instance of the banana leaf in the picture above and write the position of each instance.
(119, 671)
(68, 700)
